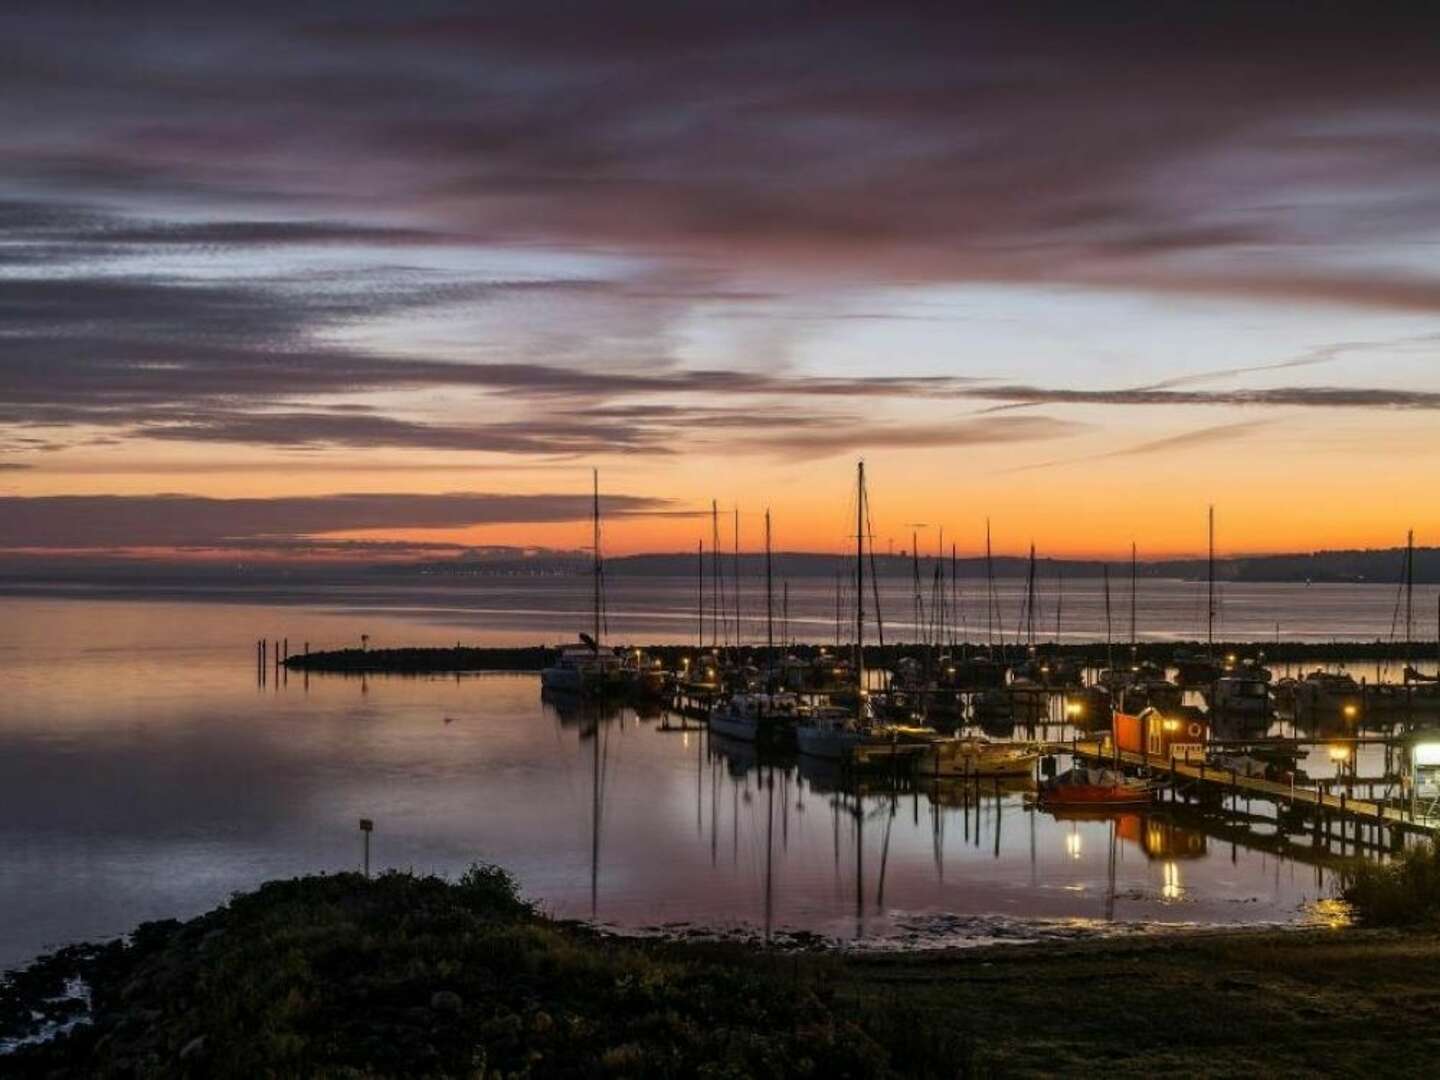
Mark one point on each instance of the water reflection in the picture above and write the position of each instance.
(142, 776)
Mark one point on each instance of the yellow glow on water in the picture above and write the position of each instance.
(1170, 888)
(1331, 913)
(1073, 845)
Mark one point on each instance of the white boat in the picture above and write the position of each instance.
(583, 669)
(976, 755)
(748, 717)
(828, 732)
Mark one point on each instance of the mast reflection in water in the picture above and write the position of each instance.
(199, 783)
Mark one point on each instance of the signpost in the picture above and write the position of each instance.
(366, 828)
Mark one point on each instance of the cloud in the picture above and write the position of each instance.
(363, 157)
(834, 438)
(1187, 440)
(147, 521)
(1309, 397)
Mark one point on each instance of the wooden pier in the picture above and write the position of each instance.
(1228, 781)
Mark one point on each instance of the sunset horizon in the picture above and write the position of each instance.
(665, 539)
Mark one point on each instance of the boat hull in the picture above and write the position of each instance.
(1088, 795)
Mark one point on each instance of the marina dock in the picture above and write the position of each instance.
(1208, 779)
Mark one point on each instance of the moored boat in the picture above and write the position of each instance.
(1086, 787)
(976, 755)
(749, 717)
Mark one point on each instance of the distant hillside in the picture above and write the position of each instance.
(1324, 566)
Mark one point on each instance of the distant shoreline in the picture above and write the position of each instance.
(529, 658)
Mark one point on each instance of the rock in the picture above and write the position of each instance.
(446, 1001)
(193, 1049)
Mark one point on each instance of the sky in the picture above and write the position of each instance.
(387, 281)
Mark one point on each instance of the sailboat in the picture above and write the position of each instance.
(836, 733)
(587, 668)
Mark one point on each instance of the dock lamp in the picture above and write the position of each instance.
(1424, 774)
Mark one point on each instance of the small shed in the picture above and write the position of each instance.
(1152, 733)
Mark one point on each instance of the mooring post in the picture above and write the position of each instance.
(286, 648)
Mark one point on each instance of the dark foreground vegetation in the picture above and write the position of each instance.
(421, 660)
(1402, 892)
(409, 976)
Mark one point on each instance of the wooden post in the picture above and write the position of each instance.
(366, 828)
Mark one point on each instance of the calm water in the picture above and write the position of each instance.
(145, 774)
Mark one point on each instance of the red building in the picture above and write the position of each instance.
(1153, 734)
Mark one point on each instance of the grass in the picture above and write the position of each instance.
(337, 976)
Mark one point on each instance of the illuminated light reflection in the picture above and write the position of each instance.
(1171, 889)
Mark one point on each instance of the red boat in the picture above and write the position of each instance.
(1094, 787)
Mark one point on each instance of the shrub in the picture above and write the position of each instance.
(1402, 892)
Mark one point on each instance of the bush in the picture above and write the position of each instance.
(492, 889)
(1403, 892)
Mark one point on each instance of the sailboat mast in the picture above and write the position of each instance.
(717, 595)
(1030, 601)
(737, 582)
(915, 573)
(700, 587)
(860, 592)
(1210, 610)
(769, 602)
(989, 592)
(1109, 625)
(941, 616)
(1134, 582)
(595, 478)
(1409, 595)
(954, 599)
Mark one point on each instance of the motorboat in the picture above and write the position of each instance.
(975, 755)
(1240, 695)
(584, 669)
(829, 732)
(749, 717)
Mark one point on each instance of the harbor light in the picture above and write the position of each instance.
(1426, 754)
(1074, 709)
(1171, 724)
(1351, 711)
(1339, 753)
